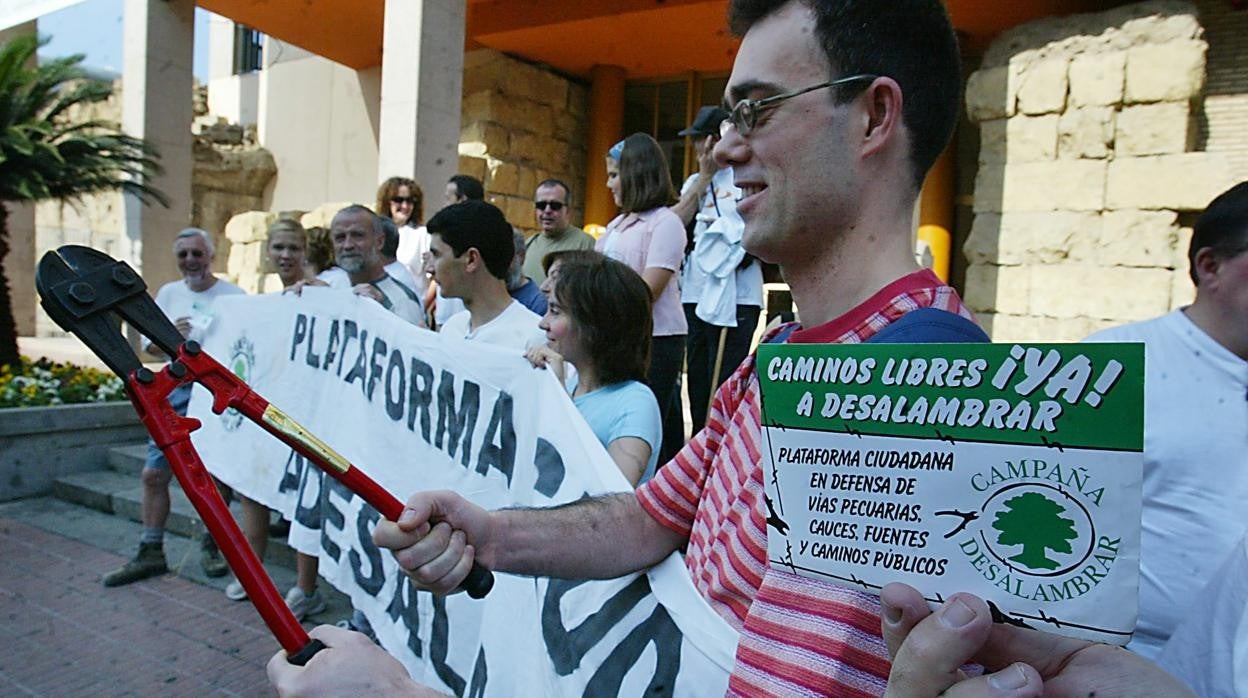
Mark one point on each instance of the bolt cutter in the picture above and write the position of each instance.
(86, 292)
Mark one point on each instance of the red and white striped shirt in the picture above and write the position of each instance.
(799, 636)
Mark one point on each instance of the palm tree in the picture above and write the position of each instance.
(44, 155)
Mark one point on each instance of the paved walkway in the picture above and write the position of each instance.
(64, 634)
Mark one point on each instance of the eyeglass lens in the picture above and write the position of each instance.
(552, 205)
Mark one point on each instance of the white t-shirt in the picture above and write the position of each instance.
(337, 277)
(1209, 650)
(723, 202)
(1195, 467)
(177, 300)
(515, 327)
(413, 246)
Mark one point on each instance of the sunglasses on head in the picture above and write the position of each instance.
(552, 205)
(403, 200)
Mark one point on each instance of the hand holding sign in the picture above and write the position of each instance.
(436, 539)
(928, 648)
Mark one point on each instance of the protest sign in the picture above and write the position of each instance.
(418, 411)
(1009, 471)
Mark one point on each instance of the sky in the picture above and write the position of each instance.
(94, 28)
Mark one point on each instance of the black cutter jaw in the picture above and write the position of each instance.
(81, 289)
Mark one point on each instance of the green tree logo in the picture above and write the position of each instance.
(1033, 521)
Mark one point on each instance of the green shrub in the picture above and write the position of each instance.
(44, 382)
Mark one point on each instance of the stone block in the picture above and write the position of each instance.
(504, 179)
(540, 119)
(1181, 182)
(322, 216)
(1182, 242)
(550, 89)
(1069, 185)
(1127, 295)
(993, 141)
(527, 181)
(1097, 79)
(519, 211)
(1042, 87)
(245, 259)
(1063, 290)
(1031, 138)
(994, 288)
(1087, 132)
(991, 94)
(482, 138)
(578, 100)
(1166, 72)
(474, 166)
(989, 189)
(1138, 238)
(1032, 238)
(1033, 328)
(529, 147)
(249, 226)
(1182, 290)
(1154, 129)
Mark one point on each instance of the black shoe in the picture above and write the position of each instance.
(149, 562)
(210, 559)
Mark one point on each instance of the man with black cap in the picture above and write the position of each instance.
(721, 286)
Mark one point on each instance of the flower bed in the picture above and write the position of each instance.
(42, 383)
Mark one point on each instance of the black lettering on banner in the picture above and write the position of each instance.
(331, 346)
(500, 456)
(331, 515)
(300, 333)
(567, 648)
(394, 395)
(313, 360)
(550, 470)
(404, 608)
(456, 424)
(439, 644)
(308, 501)
(374, 368)
(349, 331)
(359, 371)
(364, 524)
(292, 473)
(476, 689)
(420, 398)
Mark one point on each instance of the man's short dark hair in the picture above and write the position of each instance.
(645, 181)
(552, 182)
(480, 225)
(1223, 227)
(610, 304)
(390, 246)
(910, 41)
(468, 187)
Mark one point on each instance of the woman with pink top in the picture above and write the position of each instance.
(648, 237)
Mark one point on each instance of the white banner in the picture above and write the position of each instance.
(417, 411)
(15, 12)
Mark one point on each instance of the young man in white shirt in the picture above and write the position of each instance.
(470, 251)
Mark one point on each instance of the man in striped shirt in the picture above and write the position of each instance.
(839, 108)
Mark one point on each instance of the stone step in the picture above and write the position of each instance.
(128, 459)
(121, 494)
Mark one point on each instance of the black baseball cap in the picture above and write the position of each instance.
(706, 123)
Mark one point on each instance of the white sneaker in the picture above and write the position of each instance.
(234, 591)
(303, 605)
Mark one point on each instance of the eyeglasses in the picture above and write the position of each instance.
(403, 200)
(552, 205)
(744, 116)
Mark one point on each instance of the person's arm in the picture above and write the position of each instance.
(929, 648)
(440, 534)
(656, 279)
(350, 665)
(691, 194)
(631, 455)
(664, 254)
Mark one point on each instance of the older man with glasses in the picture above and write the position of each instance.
(551, 208)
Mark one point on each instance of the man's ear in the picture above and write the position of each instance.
(882, 106)
(472, 259)
(1205, 266)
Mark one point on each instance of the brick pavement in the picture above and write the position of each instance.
(64, 634)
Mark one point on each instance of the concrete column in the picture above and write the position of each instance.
(422, 76)
(19, 263)
(156, 106)
(606, 128)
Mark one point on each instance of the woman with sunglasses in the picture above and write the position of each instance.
(401, 200)
(650, 239)
(598, 321)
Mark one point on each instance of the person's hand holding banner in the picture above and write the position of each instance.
(436, 539)
(929, 648)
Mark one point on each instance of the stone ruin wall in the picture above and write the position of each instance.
(1091, 166)
(521, 124)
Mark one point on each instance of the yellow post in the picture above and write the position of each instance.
(606, 127)
(936, 213)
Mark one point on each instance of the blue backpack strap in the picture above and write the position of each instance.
(930, 326)
(782, 336)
